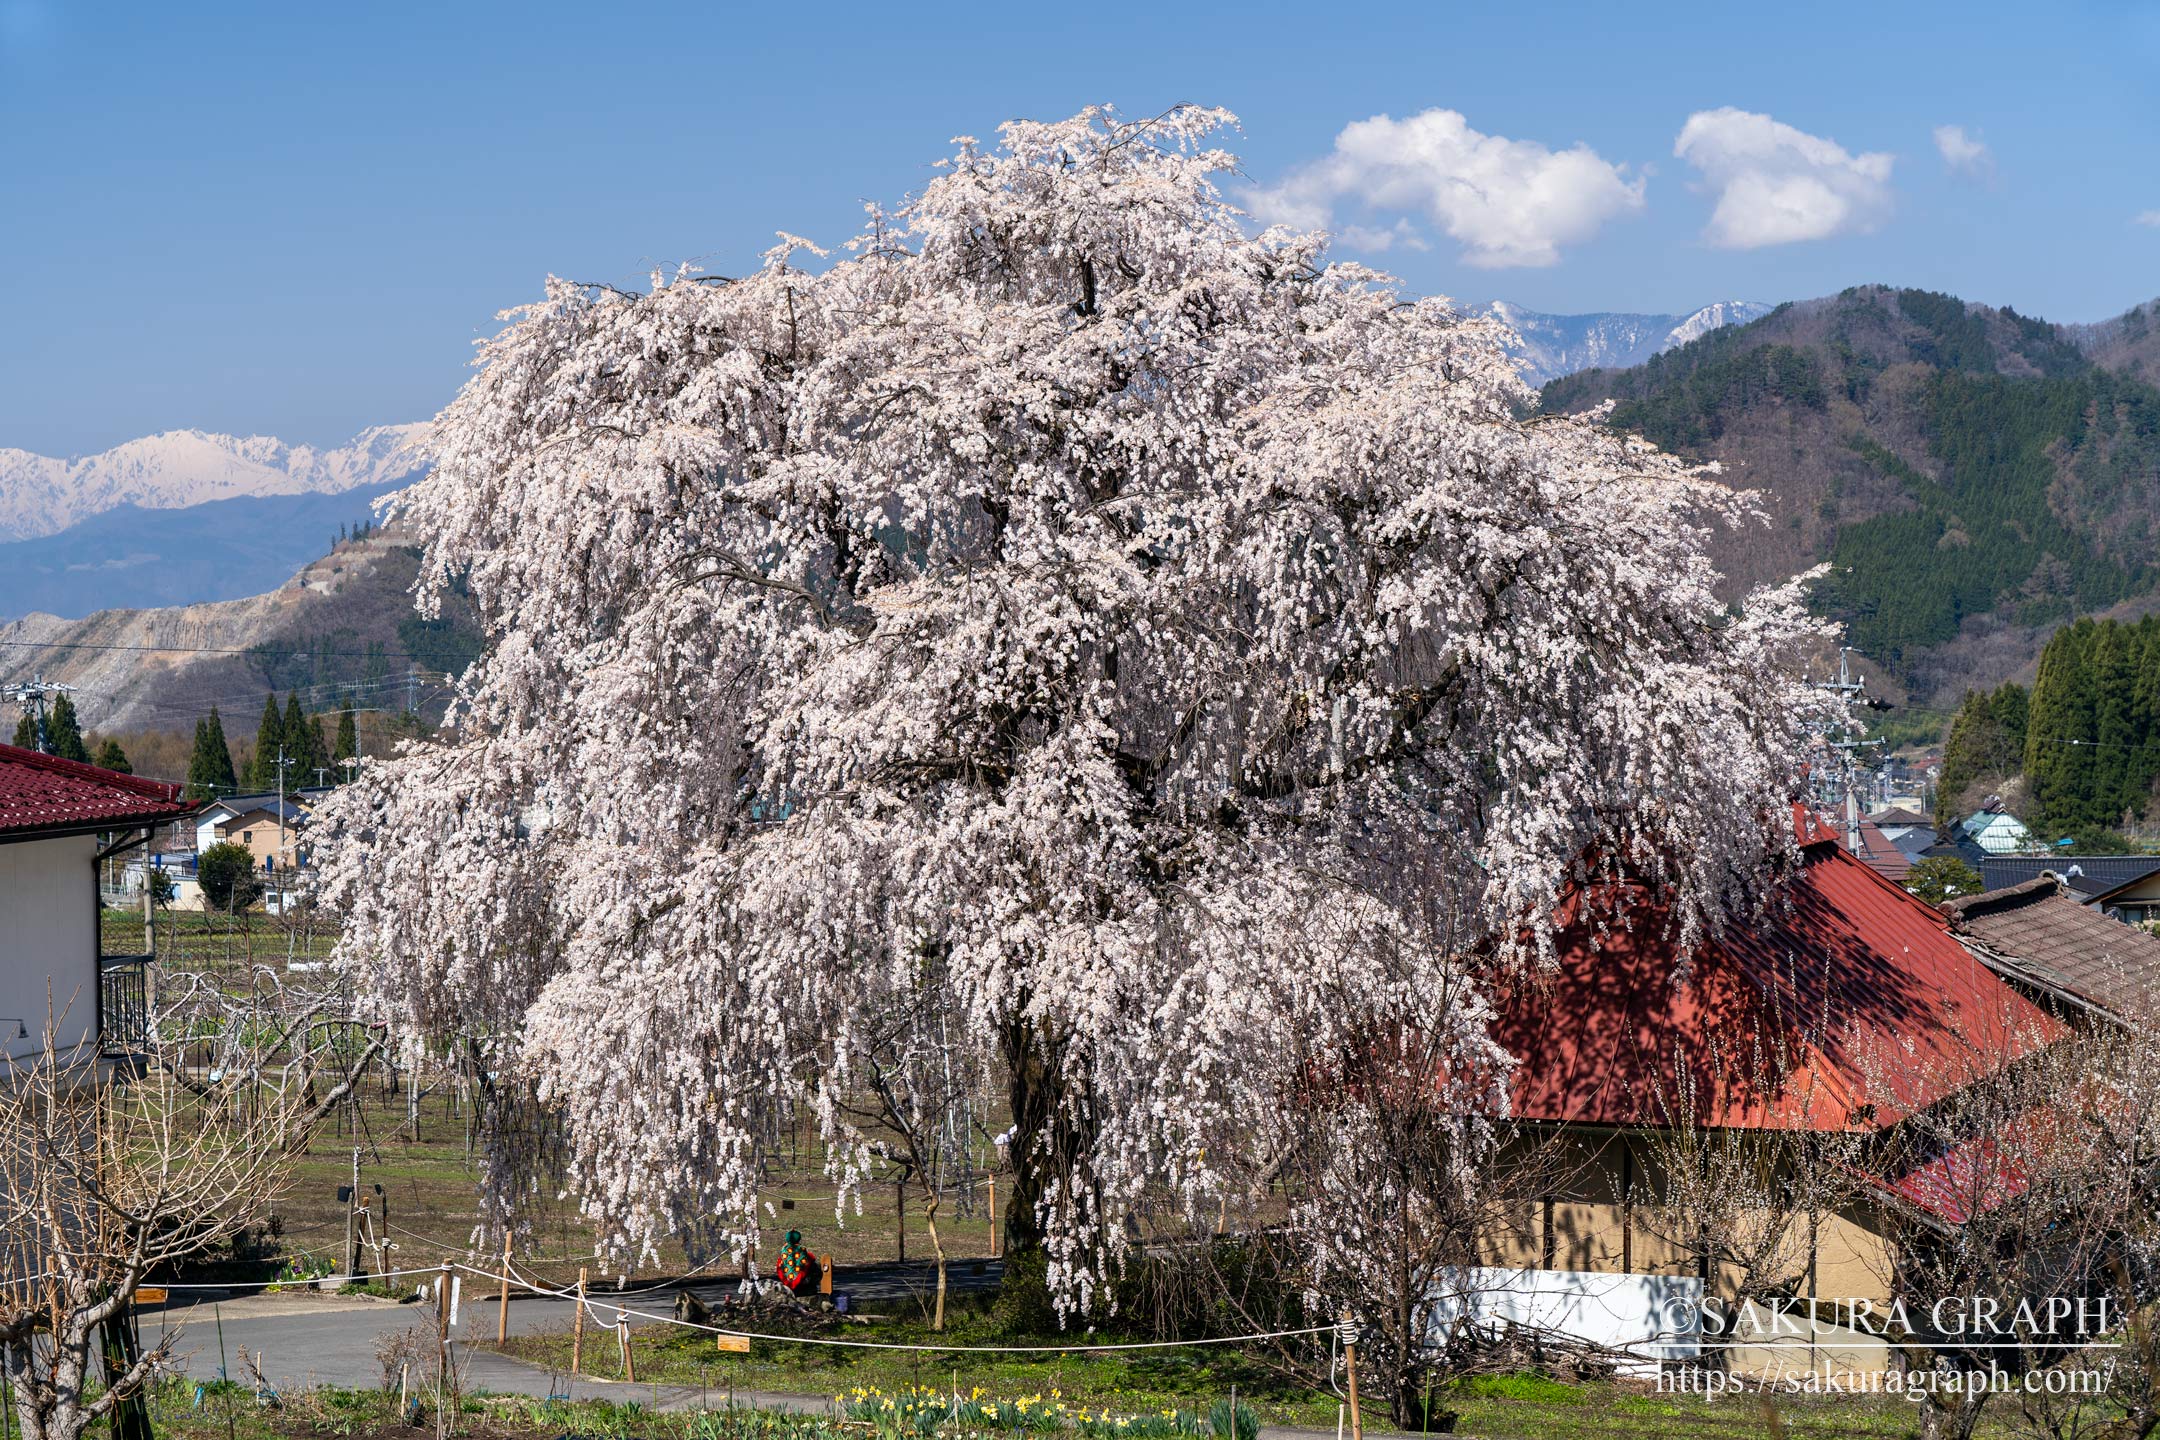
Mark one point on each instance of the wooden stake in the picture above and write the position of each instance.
(442, 1351)
(1357, 1422)
(577, 1325)
(502, 1311)
(622, 1333)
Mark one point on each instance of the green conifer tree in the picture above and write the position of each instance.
(348, 741)
(2116, 782)
(63, 731)
(302, 742)
(269, 738)
(111, 757)
(210, 768)
(1971, 753)
(2059, 753)
(2011, 705)
(26, 732)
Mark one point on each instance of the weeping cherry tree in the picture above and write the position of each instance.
(1066, 617)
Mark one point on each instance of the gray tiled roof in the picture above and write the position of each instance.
(2086, 874)
(2036, 933)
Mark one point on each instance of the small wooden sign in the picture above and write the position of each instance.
(149, 1295)
(732, 1344)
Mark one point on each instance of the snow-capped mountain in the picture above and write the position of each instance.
(40, 495)
(1556, 345)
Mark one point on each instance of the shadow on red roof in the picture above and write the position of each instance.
(45, 793)
(1879, 1009)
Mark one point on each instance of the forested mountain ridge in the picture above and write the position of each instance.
(1974, 476)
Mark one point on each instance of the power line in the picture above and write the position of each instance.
(263, 650)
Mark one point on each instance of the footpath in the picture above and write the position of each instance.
(304, 1340)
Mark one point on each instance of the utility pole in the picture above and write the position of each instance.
(282, 762)
(31, 697)
(412, 689)
(1849, 686)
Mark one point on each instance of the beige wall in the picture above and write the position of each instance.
(1593, 1217)
(258, 831)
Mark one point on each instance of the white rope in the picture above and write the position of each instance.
(297, 1283)
(896, 1345)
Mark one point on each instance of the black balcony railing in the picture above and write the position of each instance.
(123, 1004)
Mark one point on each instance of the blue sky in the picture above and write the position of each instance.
(294, 219)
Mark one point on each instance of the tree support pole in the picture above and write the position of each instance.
(1350, 1335)
(577, 1325)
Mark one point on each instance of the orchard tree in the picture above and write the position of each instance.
(1077, 605)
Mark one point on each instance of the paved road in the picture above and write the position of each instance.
(305, 1339)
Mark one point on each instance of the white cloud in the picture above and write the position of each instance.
(1964, 154)
(2148, 217)
(1375, 239)
(1776, 185)
(1506, 202)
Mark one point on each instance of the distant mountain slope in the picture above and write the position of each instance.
(343, 625)
(2130, 342)
(131, 557)
(1556, 345)
(1971, 474)
(40, 495)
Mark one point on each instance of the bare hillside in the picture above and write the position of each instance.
(343, 626)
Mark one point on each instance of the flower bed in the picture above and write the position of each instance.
(922, 1411)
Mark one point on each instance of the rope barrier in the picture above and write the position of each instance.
(246, 1284)
(299, 1280)
(590, 1301)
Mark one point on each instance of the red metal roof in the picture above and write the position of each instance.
(44, 792)
(1970, 1178)
(1861, 984)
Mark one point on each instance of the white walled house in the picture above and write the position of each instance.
(59, 822)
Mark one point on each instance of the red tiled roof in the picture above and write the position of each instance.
(1862, 984)
(44, 792)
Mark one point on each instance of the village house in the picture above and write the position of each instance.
(1875, 1008)
(2063, 950)
(1996, 831)
(1908, 829)
(59, 822)
(268, 826)
(2122, 887)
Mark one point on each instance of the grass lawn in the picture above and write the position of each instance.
(1496, 1408)
(429, 1191)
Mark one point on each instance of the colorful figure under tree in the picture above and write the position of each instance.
(797, 1268)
